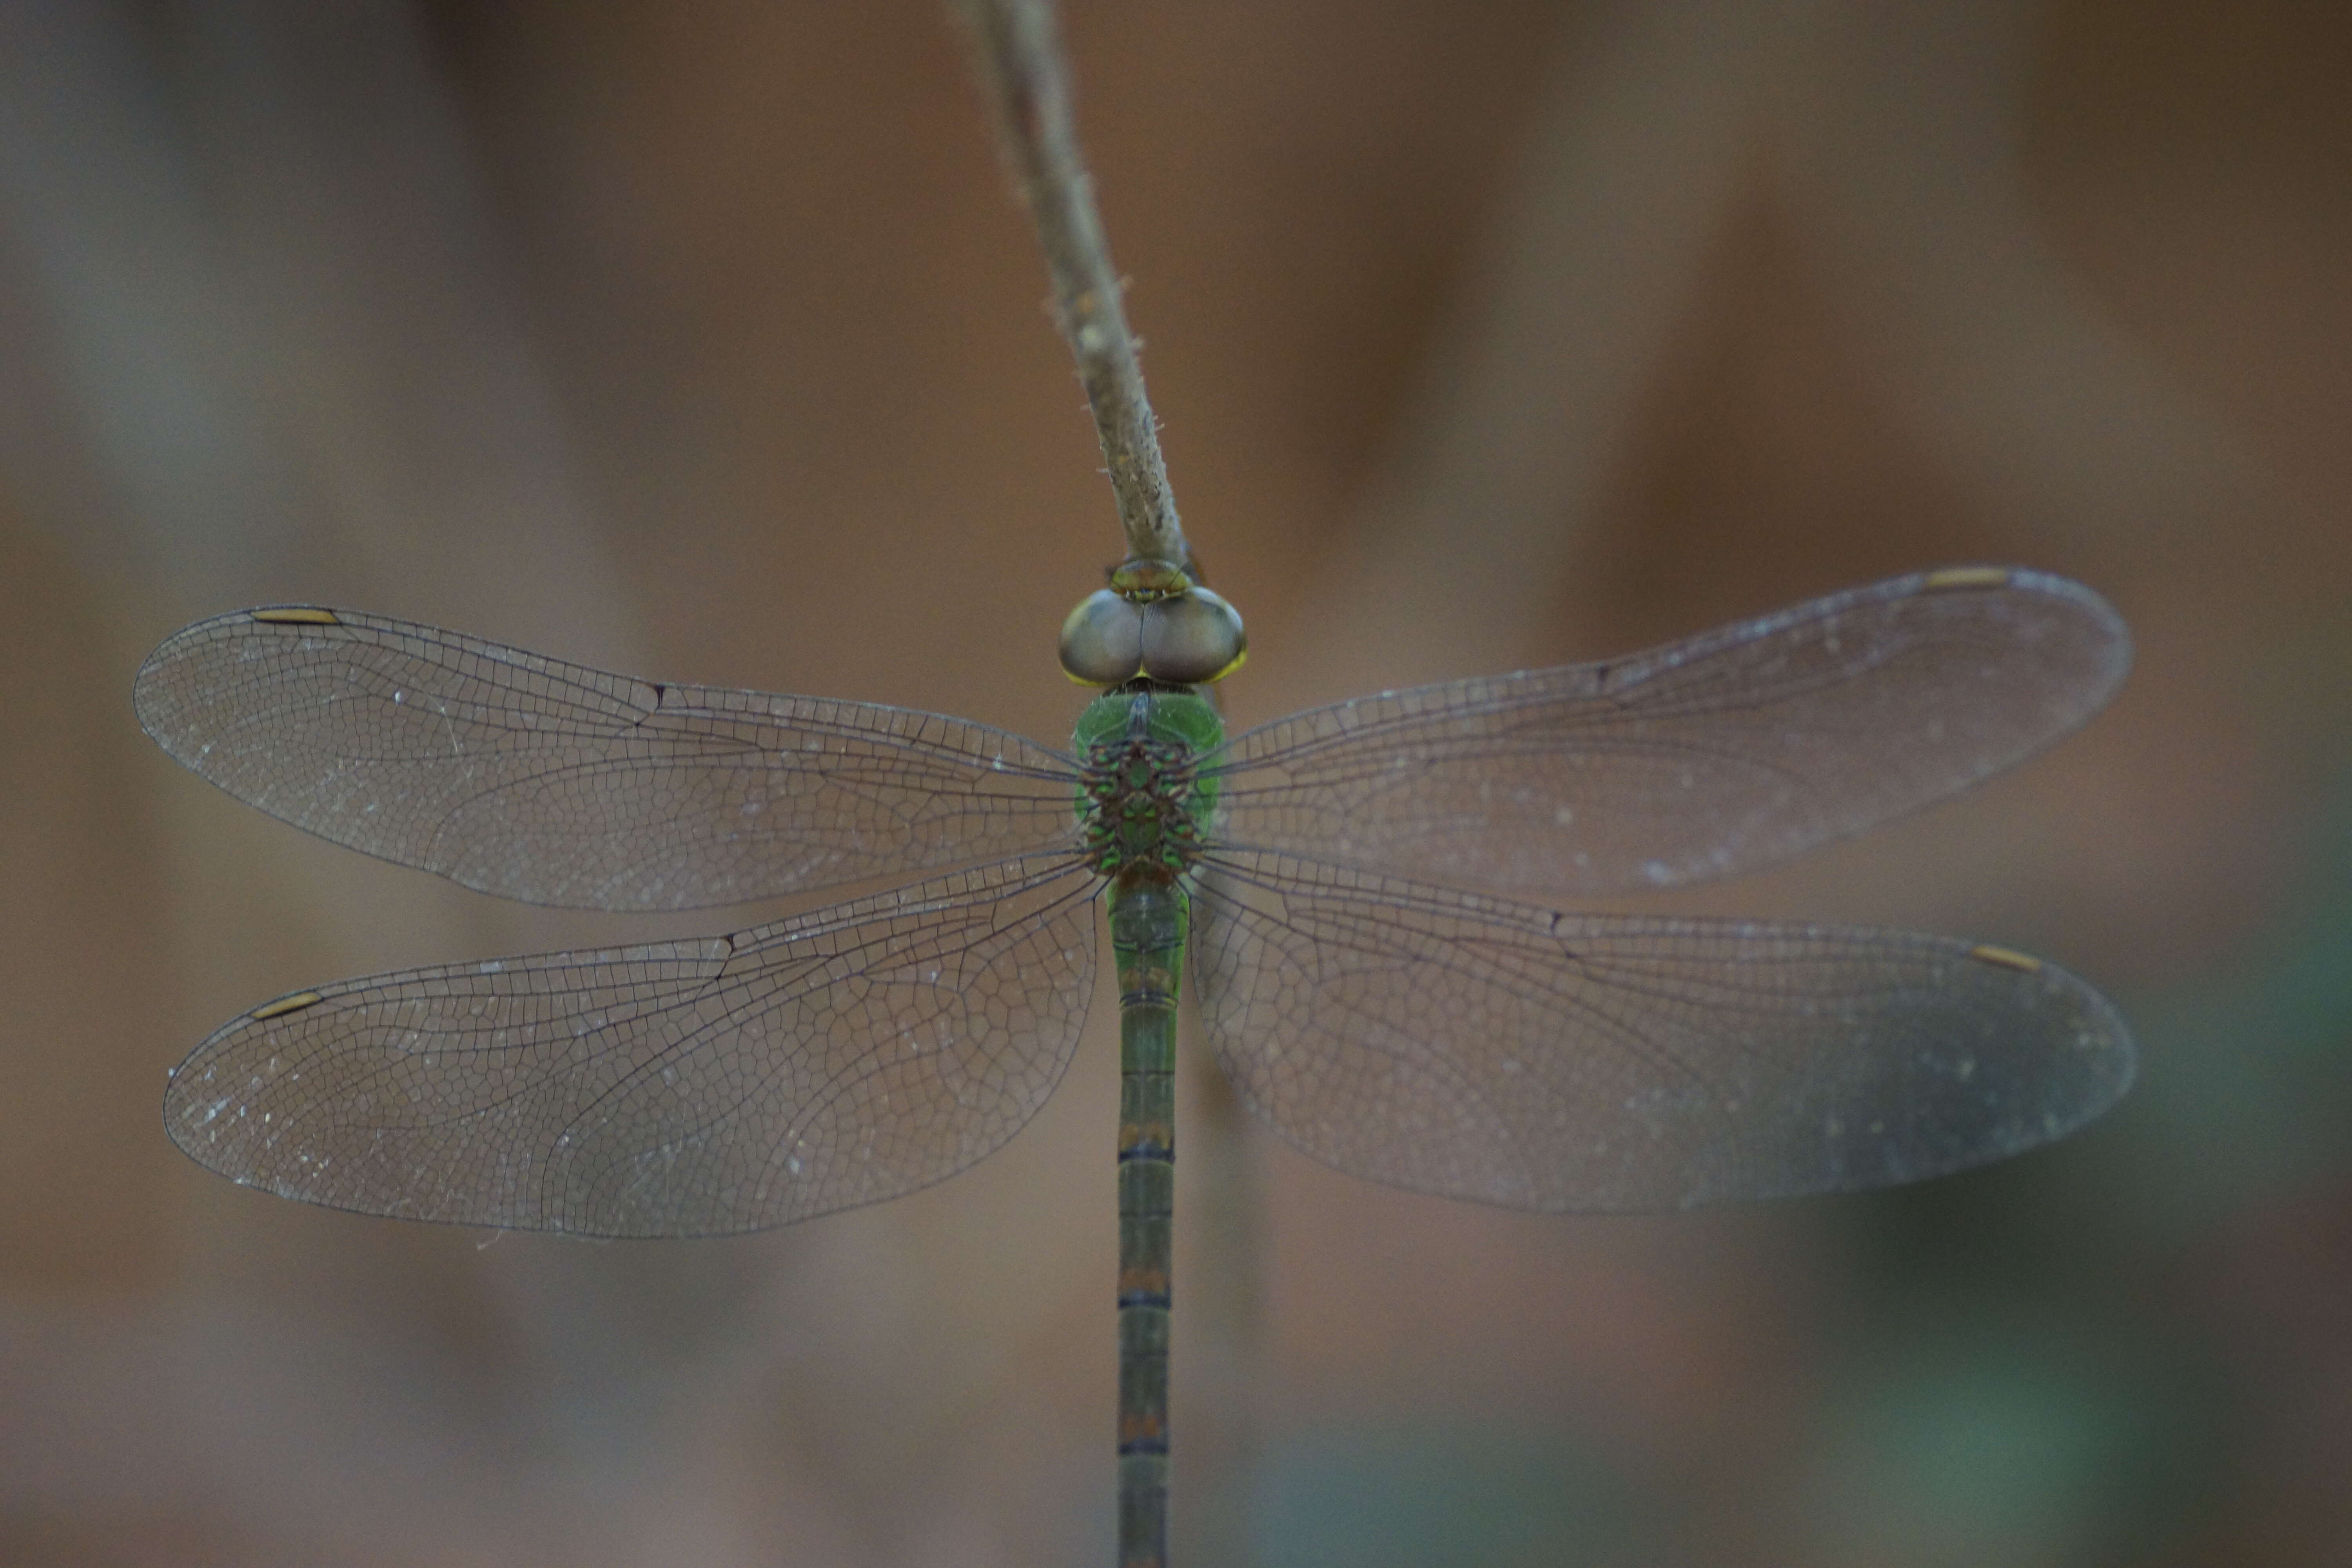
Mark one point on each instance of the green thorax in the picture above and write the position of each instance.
(1143, 806)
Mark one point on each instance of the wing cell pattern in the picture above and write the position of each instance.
(1713, 756)
(550, 783)
(1480, 1048)
(679, 1088)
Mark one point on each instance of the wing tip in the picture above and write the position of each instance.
(150, 705)
(2106, 1061)
(2107, 629)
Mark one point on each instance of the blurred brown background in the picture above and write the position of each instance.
(702, 341)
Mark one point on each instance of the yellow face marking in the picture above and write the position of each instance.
(296, 615)
(1965, 577)
(1140, 581)
(2024, 964)
(285, 1005)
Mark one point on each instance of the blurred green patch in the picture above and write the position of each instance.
(1470, 1496)
(1989, 1445)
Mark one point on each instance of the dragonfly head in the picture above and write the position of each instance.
(1153, 620)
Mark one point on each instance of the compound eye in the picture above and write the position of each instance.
(1192, 638)
(1102, 642)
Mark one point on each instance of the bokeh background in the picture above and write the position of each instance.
(702, 341)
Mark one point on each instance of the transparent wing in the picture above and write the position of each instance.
(683, 1088)
(1708, 757)
(548, 782)
(1478, 1049)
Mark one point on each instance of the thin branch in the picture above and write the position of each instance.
(1021, 64)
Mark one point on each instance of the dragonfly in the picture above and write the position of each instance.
(1367, 898)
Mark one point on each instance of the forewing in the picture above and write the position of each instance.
(683, 1088)
(526, 776)
(1705, 758)
(1478, 1049)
